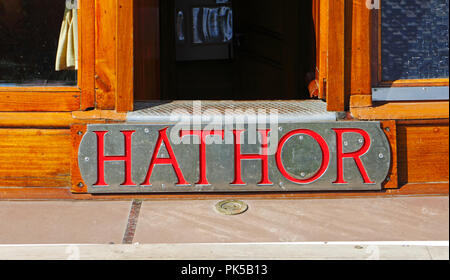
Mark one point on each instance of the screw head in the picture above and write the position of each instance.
(86, 159)
(80, 132)
(387, 129)
(381, 155)
(80, 185)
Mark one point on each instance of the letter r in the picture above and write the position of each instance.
(356, 156)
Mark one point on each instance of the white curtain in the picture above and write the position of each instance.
(67, 54)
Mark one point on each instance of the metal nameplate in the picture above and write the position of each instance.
(142, 158)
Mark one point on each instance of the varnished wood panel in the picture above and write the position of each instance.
(86, 40)
(39, 100)
(360, 73)
(35, 119)
(320, 19)
(34, 158)
(105, 53)
(58, 119)
(125, 56)
(423, 153)
(403, 111)
(336, 55)
(360, 101)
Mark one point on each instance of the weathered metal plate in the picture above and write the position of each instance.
(300, 157)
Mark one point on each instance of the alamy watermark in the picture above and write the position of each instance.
(253, 122)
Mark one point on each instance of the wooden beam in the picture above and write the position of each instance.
(336, 56)
(403, 111)
(125, 55)
(105, 54)
(87, 54)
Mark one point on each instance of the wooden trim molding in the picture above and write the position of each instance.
(87, 54)
(360, 101)
(402, 111)
(39, 101)
(335, 92)
(58, 119)
(125, 56)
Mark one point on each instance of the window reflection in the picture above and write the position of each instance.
(39, 43)
(212, 25)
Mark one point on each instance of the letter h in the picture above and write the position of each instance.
(101, 158)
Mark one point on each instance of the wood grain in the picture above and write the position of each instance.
(86, 78)
(39, 100)
(35, 119)
(35, 157)
(105, 53)
(336, 56)
(360, 101)
(360, 74)
(402, 111)
(423, 153)
(125, 56)
(58, 119)
(320, 12)
(415, 83)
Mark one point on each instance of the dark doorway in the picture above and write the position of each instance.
(234, 50)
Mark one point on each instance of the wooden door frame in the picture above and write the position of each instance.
(351, 64)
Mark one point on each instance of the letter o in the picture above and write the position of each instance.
(325, 156)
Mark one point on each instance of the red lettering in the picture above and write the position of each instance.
(202, 135)
(171, 160)
(238, 157)
(355, 155)
(101, 158)
(325, 156)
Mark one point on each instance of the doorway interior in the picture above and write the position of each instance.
(223, 49)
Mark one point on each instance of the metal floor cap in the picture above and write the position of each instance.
(291, 111)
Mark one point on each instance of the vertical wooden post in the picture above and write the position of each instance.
(86, 39)
(105, 54)
(125, 56)
(336, 56)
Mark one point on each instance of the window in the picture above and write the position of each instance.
(39, 45)
(413, 50)
(223, 50)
